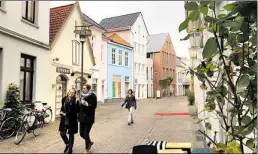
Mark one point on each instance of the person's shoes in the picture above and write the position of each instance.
(86, 151)
(129, 124)
(91, 143)
(66, 148)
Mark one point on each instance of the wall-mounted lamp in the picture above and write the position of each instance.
(56, 59)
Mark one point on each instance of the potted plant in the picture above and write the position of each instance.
(193, 110)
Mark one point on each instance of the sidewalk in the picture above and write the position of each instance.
(111, 134)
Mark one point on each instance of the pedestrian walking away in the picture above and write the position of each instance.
(88, 106)
(68, 123)
(130, 104)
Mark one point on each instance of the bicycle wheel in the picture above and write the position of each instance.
(38, 126)
(47, 116)
(8, 127)
(21, 132)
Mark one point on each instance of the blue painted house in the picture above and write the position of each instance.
(119, 66)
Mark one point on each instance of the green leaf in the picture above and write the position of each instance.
(210, 19)
(222, 16)
(204, 9)
(208, 126)
(220, 146)
(183, 25)
(229, 7)
(254, 68)
(187, 37)
(205, 2)
(212, 5)
(244, 81)
(232, 39)
(246, 120)
(194, 15)
(191, 6)
(210, 48)
(250, 143)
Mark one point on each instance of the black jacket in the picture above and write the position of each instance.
(71, 111)
(87, 113)
(130, 102)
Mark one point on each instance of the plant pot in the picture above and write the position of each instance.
(193, 110)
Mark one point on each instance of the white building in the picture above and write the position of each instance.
(25, 58)
(149, 77)
(66, 52)
(99, 47)
(183, 76)
(132, 28)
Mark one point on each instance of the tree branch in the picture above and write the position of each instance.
(207, 137)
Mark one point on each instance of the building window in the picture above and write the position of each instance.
(26, 78)
(139, 48)
(102, 48)
(139, 90)
(127, 83)
(126, 59)
(143, 68)
(28, 12)
(113, 55)
(93, 40)
(120, 57)
(147, 73)
(135, 67)
(75, 52)
(151, 72)
(139, 30)
(139, 68)
(94, 86)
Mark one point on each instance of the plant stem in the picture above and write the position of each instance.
(207, 137)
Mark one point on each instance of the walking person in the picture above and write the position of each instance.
(68, 123)
(88, 106)
(130, 102)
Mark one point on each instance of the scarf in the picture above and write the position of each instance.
(84, 96)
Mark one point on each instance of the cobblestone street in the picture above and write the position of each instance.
(111, 134)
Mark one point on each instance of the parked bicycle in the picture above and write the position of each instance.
(47, 112)
(8, 124)
(33, 122)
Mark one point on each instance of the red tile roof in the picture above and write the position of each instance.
(58, 16)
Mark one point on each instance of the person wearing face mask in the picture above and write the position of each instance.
(68, 123)
(88, 106)
(130, 102)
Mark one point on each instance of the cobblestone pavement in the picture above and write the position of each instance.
(111, 134)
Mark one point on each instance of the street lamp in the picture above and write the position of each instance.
(84, 32)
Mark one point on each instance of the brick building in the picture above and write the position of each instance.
(161, 50)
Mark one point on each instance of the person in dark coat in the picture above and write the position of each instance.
(130, 102)
(88, 106)
(68, 123)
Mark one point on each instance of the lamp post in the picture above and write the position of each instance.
(84, 32)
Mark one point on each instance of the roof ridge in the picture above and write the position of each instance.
(120, 15)
(62, 6)
(93, 20)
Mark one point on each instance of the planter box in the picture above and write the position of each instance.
(193, 110)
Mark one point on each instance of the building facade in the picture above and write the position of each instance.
(161, 50)
(99, 48)
(149, 77)
(183, 76)
(119, 68)
(66, 50)
(132, 29)
(24, 49)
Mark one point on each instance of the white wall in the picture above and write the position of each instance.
(12, 20)
(150, 77)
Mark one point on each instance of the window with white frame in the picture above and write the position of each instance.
(139, 32)
(135, 67)
(151, 72)
(139, 48)
(139, 68)
(29, 11)
(126, 59)
(101, 55)
(75, 52)
(120, 57)
(113, 56)
(93, 38)
(143, 67)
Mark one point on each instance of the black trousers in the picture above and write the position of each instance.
(67, 141)
(85, 133)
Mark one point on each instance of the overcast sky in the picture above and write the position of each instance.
(159, 16)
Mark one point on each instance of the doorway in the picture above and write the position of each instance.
(61, 89)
